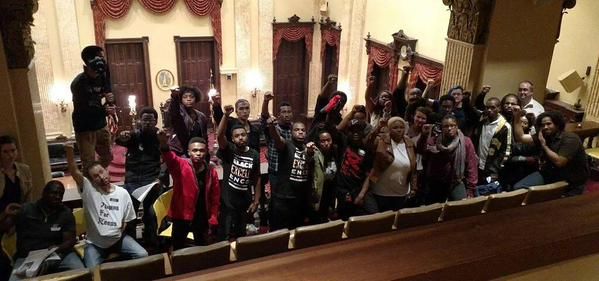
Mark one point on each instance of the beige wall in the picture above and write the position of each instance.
(519, 46)
(425, 20)
(578, 47)
(141, 22)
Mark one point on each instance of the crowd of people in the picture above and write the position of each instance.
(400, 149)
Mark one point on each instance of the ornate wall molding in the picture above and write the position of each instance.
(16, 19)
(469, 20)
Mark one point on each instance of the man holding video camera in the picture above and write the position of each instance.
(89, 113)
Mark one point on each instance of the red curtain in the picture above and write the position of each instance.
(293, 33)
(116, 9)
(331, 37)
(383, 57)
(113, 9)
(425, 72)
(158, 6)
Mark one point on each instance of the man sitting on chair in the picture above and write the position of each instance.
(108, 208)
(44, 224)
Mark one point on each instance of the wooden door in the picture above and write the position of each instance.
(330, 64)
(382, 78)
(129, 75)
(196, 58)
(291, 77)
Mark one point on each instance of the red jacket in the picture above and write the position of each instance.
(185, 189)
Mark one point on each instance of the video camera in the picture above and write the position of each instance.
(97, 64)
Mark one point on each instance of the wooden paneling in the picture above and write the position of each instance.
(330, 64)
(381, 78)
(476, 248)
(129, 75)
(196, 57)
(291, 77)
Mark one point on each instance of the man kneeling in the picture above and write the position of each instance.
(108, 208)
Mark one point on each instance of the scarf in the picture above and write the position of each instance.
(458, 148)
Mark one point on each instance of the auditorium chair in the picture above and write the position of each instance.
(261, 245)
(161, 206)
(312, 235)
(80, 230)
(200, 257)
(83, 274)
(147, 268)
(359, 226)
(463, 208)
(505, 200)
(9, 244)
(542, 193)
(410, 217)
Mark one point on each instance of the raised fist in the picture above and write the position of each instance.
(310, 147)
(228, 110)
(175, 93)
(332, 78)
(427, 129)
(388, 106)
(268, 96)
(371, 80)
(162, 137)
(271, 120)
(12, 209)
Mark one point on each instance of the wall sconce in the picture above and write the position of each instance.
(213, 91)
(60, 95)
(254, 82)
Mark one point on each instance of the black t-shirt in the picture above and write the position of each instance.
(240, 171)
(567, 145)
(295, 166)
(201, 213)
(142, 164)
(12, 192)
(88, 112)
(37, 230)
(355, 165)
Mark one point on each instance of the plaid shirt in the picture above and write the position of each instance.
(273, 154)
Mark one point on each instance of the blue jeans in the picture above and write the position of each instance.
(537, 179)
(127, 248)
(69, 262)
(531, 180)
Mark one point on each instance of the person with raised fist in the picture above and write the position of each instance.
(241, 179)
(290, 199)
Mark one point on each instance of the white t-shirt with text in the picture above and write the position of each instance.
(105, 213)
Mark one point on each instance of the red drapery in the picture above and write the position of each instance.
(293, 33)
(331, 37)
(158, 6)
(115, 9)
(425, 72)
(383, 57)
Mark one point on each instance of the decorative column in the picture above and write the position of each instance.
(23, 100)
(466, 43)
(265, 15)
(593, 103)
(242, 46)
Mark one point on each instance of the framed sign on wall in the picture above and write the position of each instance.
(165, 79)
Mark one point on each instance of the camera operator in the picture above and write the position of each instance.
(89, 114)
